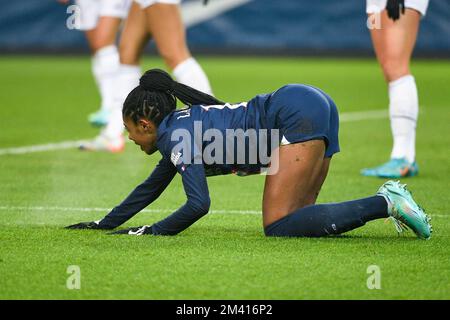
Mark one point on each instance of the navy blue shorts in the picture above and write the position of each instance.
(304, 113)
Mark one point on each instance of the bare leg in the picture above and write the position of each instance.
(132, 41)
(166, 27)
(394, 43)
(104, 34)
(289, 196)
(105, 64)
(319, 181)
(134, 36)
(295, 185)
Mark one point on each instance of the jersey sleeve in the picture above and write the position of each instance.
(144, 194)
(196, 206)
(180, 147)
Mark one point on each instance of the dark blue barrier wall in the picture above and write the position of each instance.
(260, 25)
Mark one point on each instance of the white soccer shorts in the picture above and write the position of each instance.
(92, 10)
(147, 3)
(375, 6)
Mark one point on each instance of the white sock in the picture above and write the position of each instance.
(126, 80)
(190, 73)
(105, 65)
(403, 112)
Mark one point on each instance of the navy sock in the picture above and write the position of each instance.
(325, 219)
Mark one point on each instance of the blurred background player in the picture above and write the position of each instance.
(160, 20)
(100, 20)
(394, 43)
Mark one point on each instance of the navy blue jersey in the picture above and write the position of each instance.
(230, 138)
(204, 141)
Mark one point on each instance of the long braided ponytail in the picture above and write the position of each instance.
(156, 97)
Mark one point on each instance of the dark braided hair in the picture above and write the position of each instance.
(156, 96)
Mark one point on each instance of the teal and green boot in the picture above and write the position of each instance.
(404, 211)
(393, 169)
(99, 118)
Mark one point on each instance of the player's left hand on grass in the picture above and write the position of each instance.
(394, 7)
(135, 231)
(87, 225)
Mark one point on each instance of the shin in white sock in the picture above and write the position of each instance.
(190, 73)
(105, 66)
(403, 113)
(127, 79)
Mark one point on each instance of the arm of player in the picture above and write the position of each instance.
(196, 206)
(143, 195)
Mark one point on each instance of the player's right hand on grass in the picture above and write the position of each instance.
(87, 225)
(135, 231)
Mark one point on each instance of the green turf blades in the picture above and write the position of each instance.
(404, 210)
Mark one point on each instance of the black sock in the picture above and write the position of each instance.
(325, 219)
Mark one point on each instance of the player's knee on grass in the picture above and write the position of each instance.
(297, 225)
(311, 221)
(328, 219)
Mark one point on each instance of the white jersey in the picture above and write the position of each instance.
(92, 10)
(147, 3)
(375, 6)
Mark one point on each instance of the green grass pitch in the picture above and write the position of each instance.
(225, 255)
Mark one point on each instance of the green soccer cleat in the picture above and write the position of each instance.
(99, 118)
(404, 211)
(393, 169)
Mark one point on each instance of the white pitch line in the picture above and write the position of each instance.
(42, 147)
(363, 115)
(344, 117)
(106, 210)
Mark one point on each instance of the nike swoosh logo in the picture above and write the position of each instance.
(138, 232)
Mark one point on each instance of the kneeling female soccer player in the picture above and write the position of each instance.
(306, 120)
